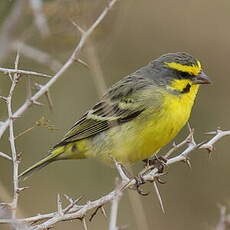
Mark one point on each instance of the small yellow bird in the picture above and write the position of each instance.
(137, 116)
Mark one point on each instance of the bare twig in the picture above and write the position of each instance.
(49, 100)
(24, 132)
(15, 159)
(69, 62)
(80, 211)
(177, 146)
(74, 211)
(23, 72)
(5, 156)
(114, 213)
(218, 135)
(73, 204)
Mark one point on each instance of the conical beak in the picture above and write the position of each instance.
(201, 78)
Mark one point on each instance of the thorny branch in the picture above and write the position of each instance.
(14, 75)
(74, 210)
(15, 156)
(80, 211)
(5, 156)
(23, 72)
(75, 56)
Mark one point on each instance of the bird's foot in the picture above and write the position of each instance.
(140, 181)
(157, 162)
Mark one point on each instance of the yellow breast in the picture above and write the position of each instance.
(145, 136)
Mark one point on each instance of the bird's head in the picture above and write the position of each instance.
(179, 71)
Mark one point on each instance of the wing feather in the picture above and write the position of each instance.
(119, 105)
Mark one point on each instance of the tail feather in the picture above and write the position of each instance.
(42, 163)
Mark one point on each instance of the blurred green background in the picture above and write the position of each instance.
(132, 34)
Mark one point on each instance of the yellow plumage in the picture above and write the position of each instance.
(137, 116)
(141, 138)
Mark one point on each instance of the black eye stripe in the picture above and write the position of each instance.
(185, 75)
(186, 88)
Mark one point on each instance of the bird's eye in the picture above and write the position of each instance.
(184, 75)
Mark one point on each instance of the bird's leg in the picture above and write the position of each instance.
(126, 176)
(140, 181)
(156, 162)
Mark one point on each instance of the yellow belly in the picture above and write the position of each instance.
(143, 136)
(154, 130)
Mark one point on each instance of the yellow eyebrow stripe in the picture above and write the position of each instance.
(194, 69)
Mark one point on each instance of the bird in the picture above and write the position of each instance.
(137, 116)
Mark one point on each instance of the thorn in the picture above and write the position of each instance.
(5, 156)
(24, 132)
(49, 99)
(159, 196)
(219, 130)
(68, 198)
(211, 133)
(188, 163)
(78, 27)
(208, 147)
(84, 223)
(189, 127)
(82, 62)
(16, 63)
(47, 94)
(191, 132)
(5, 99)
(23, 188)
(10, 76)
(103, 212)
(210, 155)
(36, 102)
(14, 117)
(95, 212)
(72, 203)
(38, 86)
